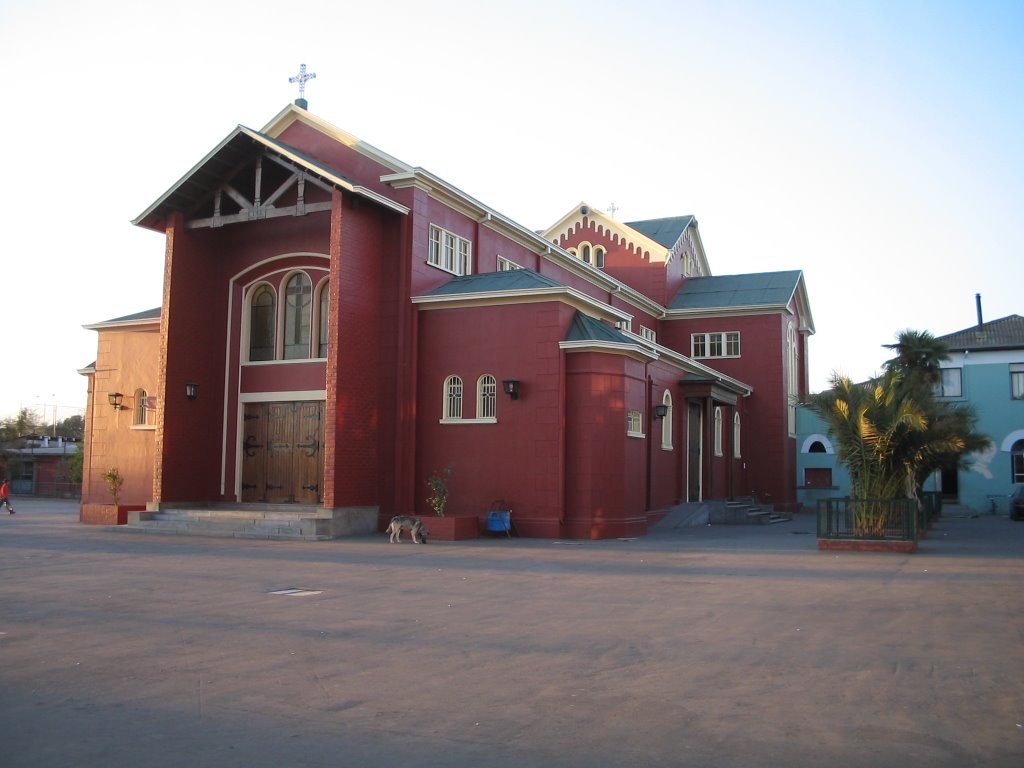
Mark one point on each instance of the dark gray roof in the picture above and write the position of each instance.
(663, 231)
(149, 314)
(586, 328)
(1004, 333)
(755, 290)
(513, 280)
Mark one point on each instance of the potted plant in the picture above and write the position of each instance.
(438, 485)
(450, 528)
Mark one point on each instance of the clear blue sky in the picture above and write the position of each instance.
(877, 146)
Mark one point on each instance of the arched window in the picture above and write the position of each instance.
(452, 408)
(792, 377)
(1017, 459)
(324, 317)
(718, 431)
(736, 436)
(666, 423)
(298, 294)
(262, 323)
(599, 257)
(817, 447)
(141, 407)
(585, 252)
(486, 397)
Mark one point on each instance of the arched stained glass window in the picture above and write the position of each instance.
(325, 298)
(297, 310)
(262, 323)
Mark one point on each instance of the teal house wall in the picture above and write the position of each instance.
(986, 370)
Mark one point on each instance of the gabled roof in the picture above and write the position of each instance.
(196, 186)
(664, 231)
(487, 282)
(1004, 333)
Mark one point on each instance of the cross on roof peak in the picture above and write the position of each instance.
(301, 79)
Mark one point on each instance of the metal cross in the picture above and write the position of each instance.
(613, 208)
(301, 79)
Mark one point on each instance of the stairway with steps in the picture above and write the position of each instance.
(284, 522)
(745, 512)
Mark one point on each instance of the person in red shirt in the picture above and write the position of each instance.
(5, 496)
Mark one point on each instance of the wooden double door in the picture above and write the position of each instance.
(282, 452)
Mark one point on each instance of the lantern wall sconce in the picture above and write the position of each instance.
(660, 411)
(511, 387)
(115, 398)
(191, 390)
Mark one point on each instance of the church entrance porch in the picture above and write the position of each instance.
(282, 460)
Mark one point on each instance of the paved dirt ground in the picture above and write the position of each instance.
(725, 646)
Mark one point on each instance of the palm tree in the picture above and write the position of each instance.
(890, 438)
(918, 357)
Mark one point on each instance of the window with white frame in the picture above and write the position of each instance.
(666, 423)
(1017, 381)
(591, 254)
(736, 436)
(323, 319)
(634, 424)
(951, 384)
(449, 252)
(262, 322)
(143, 413)
(507, 265)
(486, 397)
(718, 431)
(792, 377)
(648, 335)
(298, 311)
(452, 408)
(724, 344)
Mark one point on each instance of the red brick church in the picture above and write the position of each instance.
(337, 326)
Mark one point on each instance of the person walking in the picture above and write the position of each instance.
(5, 496)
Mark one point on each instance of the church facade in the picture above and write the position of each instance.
(338, 326)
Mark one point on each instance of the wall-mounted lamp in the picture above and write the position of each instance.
(660, 411)
(511, 387)
(115, 398)
(191, 390)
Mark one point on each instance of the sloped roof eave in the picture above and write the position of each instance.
(177, 198)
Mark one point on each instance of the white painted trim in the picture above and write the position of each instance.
(816, 438)
(1010, 439)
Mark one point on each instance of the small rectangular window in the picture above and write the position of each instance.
(951, 384)
(634, 424)
(1017, 381)
(715, 344)
(817, 477)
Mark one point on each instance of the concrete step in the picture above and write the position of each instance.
(745, 513)
(263, 522)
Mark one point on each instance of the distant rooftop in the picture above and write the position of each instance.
(1004, 333)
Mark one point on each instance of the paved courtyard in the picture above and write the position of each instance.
(707, 647)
